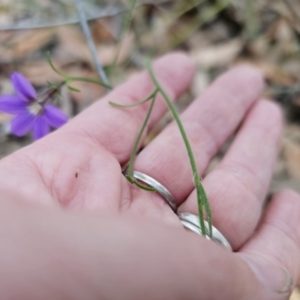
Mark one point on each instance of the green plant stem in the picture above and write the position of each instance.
(201, 195)
(129, 174)
(52, 65)
(143, 187)
(91, 80)
(70, 78)
(115, 104)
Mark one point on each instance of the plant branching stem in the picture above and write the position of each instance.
(69, 79)
(201, 195)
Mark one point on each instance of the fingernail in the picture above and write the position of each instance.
(272, 276)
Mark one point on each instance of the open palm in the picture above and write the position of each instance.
(79, 166)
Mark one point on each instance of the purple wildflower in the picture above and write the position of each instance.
(31, 113)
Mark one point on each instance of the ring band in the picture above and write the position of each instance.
(191, 222)
(164, 192)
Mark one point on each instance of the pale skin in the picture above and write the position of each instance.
(72, 227)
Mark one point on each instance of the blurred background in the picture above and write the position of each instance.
(217, 34)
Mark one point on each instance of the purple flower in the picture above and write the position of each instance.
(31, 113)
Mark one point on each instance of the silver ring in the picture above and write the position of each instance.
(164, 192)
(191, 222)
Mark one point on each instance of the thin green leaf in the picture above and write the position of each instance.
(53, 67)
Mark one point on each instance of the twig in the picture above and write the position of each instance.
(89, 39)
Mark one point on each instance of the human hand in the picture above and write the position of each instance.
(78, 168)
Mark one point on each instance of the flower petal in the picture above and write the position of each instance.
(55, 116)
(22, 123)
(40, 127)
(12, 104)
(22, 86)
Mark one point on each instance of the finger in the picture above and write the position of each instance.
(115, 128)
(237, 187)
(274, 251)
(208, 123)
